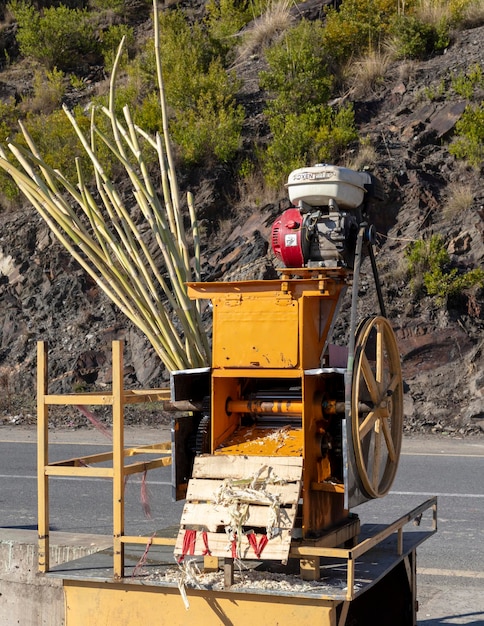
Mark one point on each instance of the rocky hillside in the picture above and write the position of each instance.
(408, 120)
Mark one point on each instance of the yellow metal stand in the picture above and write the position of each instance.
(86, 467)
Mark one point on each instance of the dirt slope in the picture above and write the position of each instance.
(45, 296)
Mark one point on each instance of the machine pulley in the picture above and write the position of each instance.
(328, 228)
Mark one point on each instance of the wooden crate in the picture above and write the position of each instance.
(256, 514)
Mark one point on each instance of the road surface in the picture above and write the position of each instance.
(450, 564)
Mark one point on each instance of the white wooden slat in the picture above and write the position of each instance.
(201, 513)
(217, 517)
(233, 466)
(205, 489)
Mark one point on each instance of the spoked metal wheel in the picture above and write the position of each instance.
(376, 406)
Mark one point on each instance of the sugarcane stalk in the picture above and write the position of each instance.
(112, 249)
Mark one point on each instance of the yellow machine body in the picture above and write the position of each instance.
(270, 339)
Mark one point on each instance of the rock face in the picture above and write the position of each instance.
(44, 295)
(441, 345)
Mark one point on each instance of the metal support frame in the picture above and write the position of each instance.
(117, 399)
(350, 555)
(307, 550)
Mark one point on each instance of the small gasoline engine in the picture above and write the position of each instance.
(321, 229)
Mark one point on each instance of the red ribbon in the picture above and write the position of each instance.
(234, 546)
(205, 543)
(189, 541)
(257, 546)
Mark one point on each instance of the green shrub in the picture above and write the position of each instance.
(225, 18)
(57, 141)
(137, 92)
(334, 136)
(205, 121)
(128, 12)
(57, 37)
(147, 115)
(9, 191)
(107, 5)
(9, 114)
(188, 56)
(443, 284)
(464, 84)
(298, 75)
(415, 39)
(469, 143)
(304, 128)
(55, 138)
(434, 92)
(459, 8)
(246, 169)
(357, 27)
(110, 40)
(211, 129)
(428, 264)
(316, 135)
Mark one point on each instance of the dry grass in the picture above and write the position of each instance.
(365, 158)
(368, 73)
(473, 14)
(407, 69)
(49, 89)
(464, 13)
(460, 197)
(433, 12)
(265, 29)
(5, 386)
(394, 273)
(254, 192)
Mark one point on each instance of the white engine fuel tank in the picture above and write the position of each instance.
(317, 185)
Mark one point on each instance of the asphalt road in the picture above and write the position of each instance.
(450, 563)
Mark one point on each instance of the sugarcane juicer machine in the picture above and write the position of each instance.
(292, 430)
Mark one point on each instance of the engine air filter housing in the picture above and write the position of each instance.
(318, 185)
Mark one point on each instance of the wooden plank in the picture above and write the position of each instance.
(310, 568)
(152, 541)
(219, 545)
(210, 564)
(92, 472)
(228, 572)
(144, 466)
(205, 489)
(245, 467)
(80, 399)
(42, 457)
(329, 487)
(331, 539)
(216, 518)
(136, 396)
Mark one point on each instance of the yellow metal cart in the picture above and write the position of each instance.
(287, 432)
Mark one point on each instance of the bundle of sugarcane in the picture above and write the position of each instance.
(103, 237)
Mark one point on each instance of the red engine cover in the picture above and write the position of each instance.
(286, 238)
